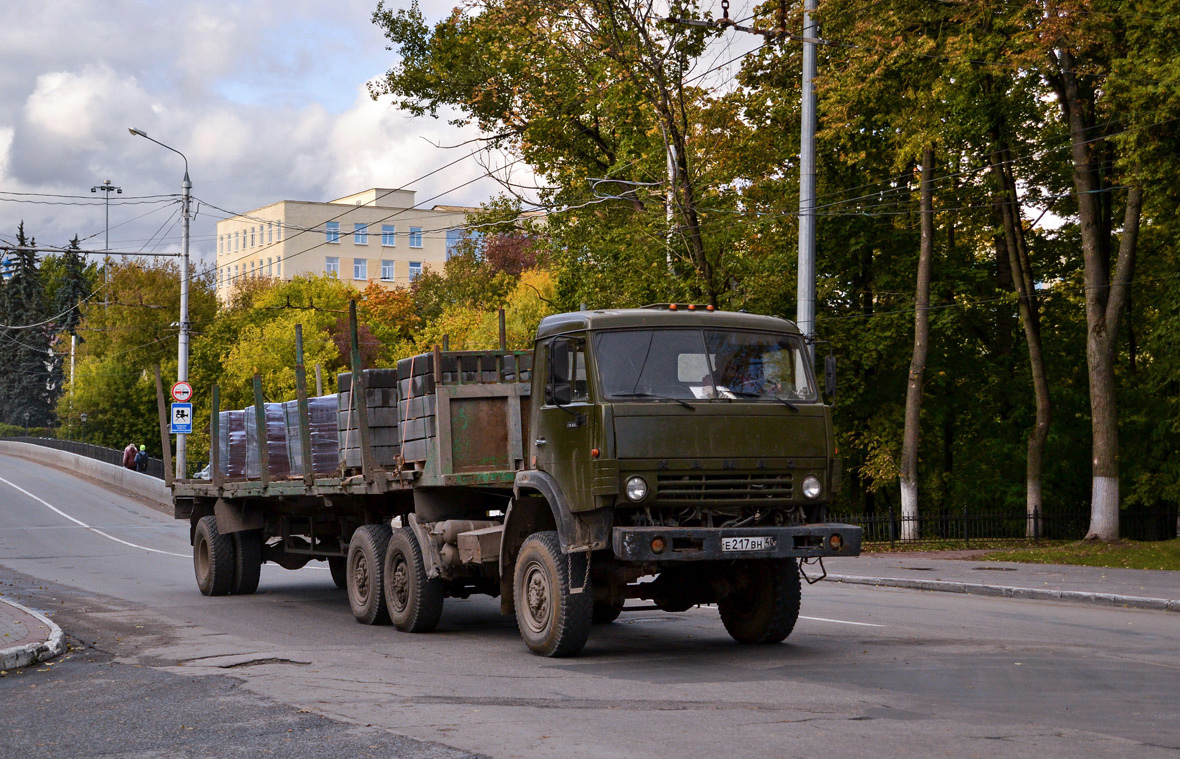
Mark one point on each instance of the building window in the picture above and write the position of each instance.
(360, 234)
(270, 267)
(387, 271)
(415, 237)
(388, 235)
(415, 270)
(332, 266)
(332, 231)
(279, 231)
(454, 238)
(251, 237)
(360, 268)
(279, 267)
(270, 232)
(235, 271)
(251, 268)
(235, 241)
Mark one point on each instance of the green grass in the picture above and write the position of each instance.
(1122, 554)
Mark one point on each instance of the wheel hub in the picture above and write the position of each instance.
(537, 596)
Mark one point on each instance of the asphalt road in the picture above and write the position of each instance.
(158, 669)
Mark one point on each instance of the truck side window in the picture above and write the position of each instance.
(567, 371)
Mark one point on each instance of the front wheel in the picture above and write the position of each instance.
(765, 605)
(415, 601)
(366, 561)
(213, 558)
(552, 620)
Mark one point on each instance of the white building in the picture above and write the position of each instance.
(375, 235)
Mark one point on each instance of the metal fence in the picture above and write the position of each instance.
(155, 467)
(958, 526)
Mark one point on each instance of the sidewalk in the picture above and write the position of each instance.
(959, 572)
(26, 637)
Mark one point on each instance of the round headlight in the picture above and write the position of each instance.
(636, 488)
(812, 487)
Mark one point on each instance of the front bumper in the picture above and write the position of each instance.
(705, 543)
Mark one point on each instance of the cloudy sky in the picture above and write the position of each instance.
(266, 98)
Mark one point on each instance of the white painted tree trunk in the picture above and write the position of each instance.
(909, 509)
(1104, 509)
(1035, 528)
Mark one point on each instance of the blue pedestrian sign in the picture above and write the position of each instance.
(182, 418)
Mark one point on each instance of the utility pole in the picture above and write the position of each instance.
(182, 344)
(805, 306)
(107, 188)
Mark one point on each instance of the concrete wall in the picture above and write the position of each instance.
(142, 485)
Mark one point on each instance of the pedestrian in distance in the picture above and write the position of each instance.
(129, 454)
(141, 459)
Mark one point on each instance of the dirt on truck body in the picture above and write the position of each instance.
(674, 441)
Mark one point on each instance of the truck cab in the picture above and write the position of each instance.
(686, 443)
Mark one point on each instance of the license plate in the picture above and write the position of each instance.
(758, 543)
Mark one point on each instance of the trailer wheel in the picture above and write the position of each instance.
(338, 567)
(247, 561)
(766, 606)
(366, 559)
(415, 602)
(213, 558)
(552, 620)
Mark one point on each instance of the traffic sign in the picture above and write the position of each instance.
(182, 392)
(182, 418)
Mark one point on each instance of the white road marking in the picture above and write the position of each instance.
(841, 622)
(80, 523)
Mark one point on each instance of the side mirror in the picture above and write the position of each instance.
(830, 375)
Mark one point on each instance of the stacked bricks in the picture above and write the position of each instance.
(325, 446)
(275, 433)
(417, 410)
(231, 443)
(381, 394)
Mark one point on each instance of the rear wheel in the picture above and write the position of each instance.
(552, 620)
(247, 561)
(765, 606)
(213, 558)
(366, 560)
(415, 602)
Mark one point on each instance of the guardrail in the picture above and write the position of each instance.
(155, 467)
(957, 526)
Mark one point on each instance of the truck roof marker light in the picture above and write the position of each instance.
(671, 306)
(692, 307)
(710, 308)
(594, 452)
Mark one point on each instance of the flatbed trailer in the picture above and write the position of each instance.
(687, 445)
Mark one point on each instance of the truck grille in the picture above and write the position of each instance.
(724, 488)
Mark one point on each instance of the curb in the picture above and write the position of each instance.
(1005, 591)
(32, 653)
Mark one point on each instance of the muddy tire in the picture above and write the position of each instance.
(415, 602)
(338, 567)
(364, 570)
(213, 558)
(552, 620)
(247, 561)
(766, 606)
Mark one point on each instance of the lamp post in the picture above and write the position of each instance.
(26, 425)
(83, 418)
(182, 349)
(107, 188)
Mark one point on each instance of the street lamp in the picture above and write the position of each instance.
(182, 349)
(26, 425)
(106, 188)
(83, 417)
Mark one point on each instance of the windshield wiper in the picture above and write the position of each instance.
(784, 401)
(687, 405)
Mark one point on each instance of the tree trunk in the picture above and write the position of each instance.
(1105, 298)
(913, 398)
(1025, 284)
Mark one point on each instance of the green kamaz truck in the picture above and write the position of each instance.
(675, 454)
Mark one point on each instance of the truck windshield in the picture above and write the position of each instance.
(694, 364)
